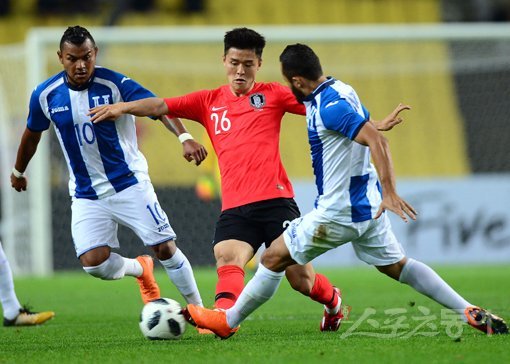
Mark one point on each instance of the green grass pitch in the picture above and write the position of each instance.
(97, 322)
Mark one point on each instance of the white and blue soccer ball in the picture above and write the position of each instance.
(162, 319)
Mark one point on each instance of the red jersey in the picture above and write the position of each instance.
(245, 133)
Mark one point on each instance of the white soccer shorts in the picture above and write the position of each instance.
(95, 222)
(373, 241)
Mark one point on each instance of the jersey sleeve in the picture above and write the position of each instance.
(37, 120)
(189, 106)
(131, 90)
(340, 116)
(365, 112)
(289, 101)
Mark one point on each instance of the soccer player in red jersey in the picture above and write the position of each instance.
(243, 120)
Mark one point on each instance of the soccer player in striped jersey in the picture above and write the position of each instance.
(108, 176)
(14, 313)
(353, 197)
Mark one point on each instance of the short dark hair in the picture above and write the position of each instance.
(300, 60)
(244, 38)
(76, 35)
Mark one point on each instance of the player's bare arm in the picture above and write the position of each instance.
(381, 156)
(26, 151)
(392, 119)
(191, 149)
(152, 106)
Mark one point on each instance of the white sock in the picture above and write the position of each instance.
(10, 303)
(180, 272)
(259, 289)
(132, 267)
(423, 279)
(112, 268)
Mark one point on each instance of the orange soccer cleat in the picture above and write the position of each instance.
(149, 288)
(204, 331)
(485, 321)
(214, 320)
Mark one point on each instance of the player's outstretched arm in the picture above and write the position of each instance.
(379, 148)
(191, 150)
(392, 119)
(26, 151)
(152, 106)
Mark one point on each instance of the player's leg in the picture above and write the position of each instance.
(8, 298)
(259, 290)
(94, 234)
(380, 248)
(426, 281)
(302, 278)
(236, 240)
(15, 314)
(138, 208)
(231, 256)
(179, 270)
(295, 245)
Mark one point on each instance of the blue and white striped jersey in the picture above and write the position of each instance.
(102, 158)
(347, 182)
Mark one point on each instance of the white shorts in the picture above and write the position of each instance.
(95, 222)
(373, 241)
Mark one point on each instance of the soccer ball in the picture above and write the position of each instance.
(162, 319)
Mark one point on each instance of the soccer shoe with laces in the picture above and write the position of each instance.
(485, 321)
(214, 320)
(149, 288)
(29, 318)
(331, 322)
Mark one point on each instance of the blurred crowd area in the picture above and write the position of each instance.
(450, 86)
(16, 16)
(457, 89)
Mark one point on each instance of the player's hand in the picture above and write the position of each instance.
(193, 151)
(396, 204)
(19, 184)
(106, 112)
(393, 118)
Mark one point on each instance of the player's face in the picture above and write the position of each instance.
(241, 66)
(78, 61)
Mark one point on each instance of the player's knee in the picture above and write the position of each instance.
(165, 250)
(393, 270)
(226, 255)
(272, 261)
(95, 257)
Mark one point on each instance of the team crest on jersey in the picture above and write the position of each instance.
(257, 101)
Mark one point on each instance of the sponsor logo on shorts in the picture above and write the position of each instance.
(163, 227)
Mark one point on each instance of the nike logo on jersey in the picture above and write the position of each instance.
(332, 103)
(59, 109)
(214, 108)
(125, 79)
